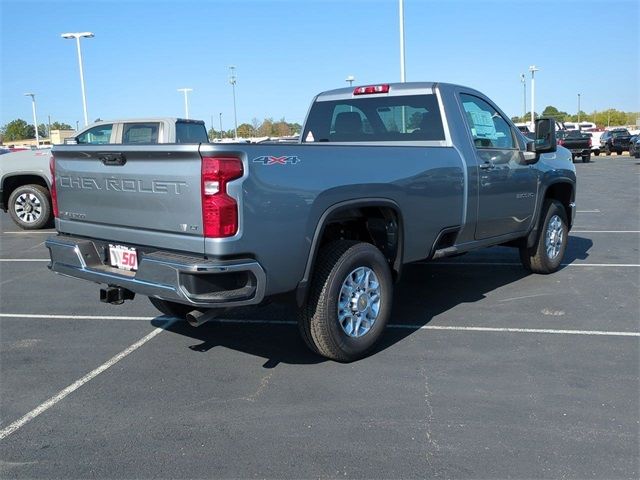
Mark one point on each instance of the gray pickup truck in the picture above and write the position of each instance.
(383, 175)
(25, 177)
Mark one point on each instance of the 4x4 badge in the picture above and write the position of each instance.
(270, 160)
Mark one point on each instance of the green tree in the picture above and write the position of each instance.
(42, 130)
(245, 130)
(266, 128)
(61, 126)
(18, 130)
(551, 111)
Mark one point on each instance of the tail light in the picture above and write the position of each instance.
(590, 143)
(219, 210)
(560, 141)
(54, 192)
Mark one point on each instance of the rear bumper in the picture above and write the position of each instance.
(180, 278)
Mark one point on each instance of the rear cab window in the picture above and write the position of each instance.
(191, 132)
(133, 133)
(406, 118)
(99, 135)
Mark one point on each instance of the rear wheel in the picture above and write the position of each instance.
(349, 301)
(619, 152)
(171, 309)
(548, 250)
(30, 207)
(596, 153)
(586, 158)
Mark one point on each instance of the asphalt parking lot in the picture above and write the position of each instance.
(486, 371)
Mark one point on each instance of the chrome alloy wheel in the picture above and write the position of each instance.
(359, 302)
(28, 207)
(554, 237)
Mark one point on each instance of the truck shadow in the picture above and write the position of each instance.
(425, 292)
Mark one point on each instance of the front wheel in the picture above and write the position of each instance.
(545, 256)
(619, 152)
(349, 301)
(596, 153)
(586, 158)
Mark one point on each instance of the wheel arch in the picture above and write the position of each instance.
(561, 189)
(383, 209)
(12, 181)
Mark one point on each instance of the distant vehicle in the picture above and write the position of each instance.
(577, 142)
(634, 146)
(25, 177)
(4, 150)
(615, 140)
(141, 131)
(582, 126)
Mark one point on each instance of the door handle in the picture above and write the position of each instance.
(112, 159)
(486, 166)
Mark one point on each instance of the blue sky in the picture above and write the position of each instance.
(286, 51)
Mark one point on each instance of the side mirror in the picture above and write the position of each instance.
(545, 140)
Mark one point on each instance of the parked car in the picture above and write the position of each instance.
(615, 140)
(25, 178)
(634, 146)
(577, 142)
(383, 175)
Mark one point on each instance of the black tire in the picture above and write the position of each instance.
(30, 207)
(586, 158)
(596, 153)
(537, 258)
(171, 309)
(619, 152)
(318, 321)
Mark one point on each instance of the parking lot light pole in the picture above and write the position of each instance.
(232, 81)
(220, 125)
(578, 111)
(186, 100)
(402, 64)
(350, 79)
(78, 36)
(523, 80)
(35, 118)
(533, 69)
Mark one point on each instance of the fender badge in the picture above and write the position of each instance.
(271, 160)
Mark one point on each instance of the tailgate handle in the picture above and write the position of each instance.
(112, 158)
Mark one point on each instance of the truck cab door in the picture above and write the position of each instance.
(507, 186)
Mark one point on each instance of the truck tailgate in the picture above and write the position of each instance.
(142, 195)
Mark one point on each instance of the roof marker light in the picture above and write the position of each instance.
(384, 88)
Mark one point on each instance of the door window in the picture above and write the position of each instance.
(99, 135)
(488, 128)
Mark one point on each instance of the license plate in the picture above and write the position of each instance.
(125, 258)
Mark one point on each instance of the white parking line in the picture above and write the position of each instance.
(24, 259)
(588, 211)
(75, 317)
(248, 321)
(32, 231)
(5, 432)
(605, 231)
(511, 264)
